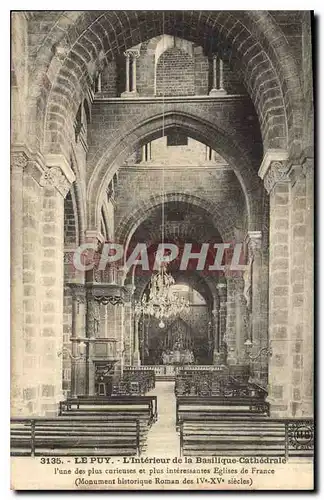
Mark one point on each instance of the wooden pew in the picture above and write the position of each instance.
(134, 382)
(202, 408)
(224, 436)
(140, 407)
(206, 383)
(75, 436)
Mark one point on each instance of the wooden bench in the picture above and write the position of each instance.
(202, 408)
(75, 436)
(223, 436)
(206, 383)
(140, 407)
(134, 383)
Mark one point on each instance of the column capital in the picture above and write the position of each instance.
(222, 292)
(254, 240)
(57, 173)
(308, 165)
(274, 168)
(215, 312)
(133, 53)
(19, 157)
(78, 291)
(53, 170)
(94, 236)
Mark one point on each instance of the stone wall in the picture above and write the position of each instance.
(219, 186)
(175, 73)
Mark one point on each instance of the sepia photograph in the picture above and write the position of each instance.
(162, 250)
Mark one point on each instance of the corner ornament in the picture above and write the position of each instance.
(18, 160)
(54, 177)
(277, 172)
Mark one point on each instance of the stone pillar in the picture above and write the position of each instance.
(78, 363)
(214, 71)
(38, 301)
(307, 403)
(127, 55)
(214, 85)
(221, 75)
(274, 172)
(56, 180)
(119, 326)
(19, 160)
(128, 326)
(258, 333)
(134, 86)
(230, 321)
(241, 320)
(290, 186)
(218, 88)
(215, 330)
(222, 293)
(132, 54)
(136, 355)
(92, 329)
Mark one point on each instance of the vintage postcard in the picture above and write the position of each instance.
(162, 170)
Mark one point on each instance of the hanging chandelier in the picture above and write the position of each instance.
(161, 302)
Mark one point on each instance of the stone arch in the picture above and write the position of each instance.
(79, 196)
(115, 154)
(128, 225)
(252, 41)
(19, 78)
(71, 229)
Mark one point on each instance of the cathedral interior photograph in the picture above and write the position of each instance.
(162, 198)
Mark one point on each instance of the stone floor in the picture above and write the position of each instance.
(162, 439)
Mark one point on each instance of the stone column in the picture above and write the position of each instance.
(215, 330)
(308, 347)
(134, 85)
(78, 363)
(274, 171)
(127, 55)
(92, 328)
(132, 54)
(56, 180)
(258, 333)
(218, 88)
(45, 183)
(230, 321)
(214, 87)
(214, 71)
(221, 75)
(19, 159)
(222, 293)
(241, 320)
(128, 326)
(136, 355)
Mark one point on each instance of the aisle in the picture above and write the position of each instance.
(162, 438)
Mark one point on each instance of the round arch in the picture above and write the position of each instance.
(114, 155)
(128, 226)
(253, 43)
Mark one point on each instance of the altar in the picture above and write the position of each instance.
(178, 357)
(180, 354)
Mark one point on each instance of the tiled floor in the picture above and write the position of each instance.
(162, 438)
